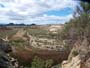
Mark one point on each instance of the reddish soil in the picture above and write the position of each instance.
(4, 29)
(28, 55)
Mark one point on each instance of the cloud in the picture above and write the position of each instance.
(45, 19)
(30, 11)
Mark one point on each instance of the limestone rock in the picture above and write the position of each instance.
(74, 63)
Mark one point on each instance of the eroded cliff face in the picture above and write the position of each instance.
(73, 63)
(79, 56)
(76, 62)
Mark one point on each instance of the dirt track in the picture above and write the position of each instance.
(20, 33)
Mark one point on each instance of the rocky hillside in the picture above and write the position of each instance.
(27, 46)
(30, 42)
(78, 30)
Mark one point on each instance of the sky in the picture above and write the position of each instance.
(36, 11)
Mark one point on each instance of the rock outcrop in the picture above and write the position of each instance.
(73, 63)
(5, 59)
(79, 56)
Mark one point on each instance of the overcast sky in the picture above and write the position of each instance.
(36, 11)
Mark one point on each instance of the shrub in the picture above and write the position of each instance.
(40, 63)
(37, 63)
(75, 53)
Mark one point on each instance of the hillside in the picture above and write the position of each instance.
(32, 41)
(78, 30)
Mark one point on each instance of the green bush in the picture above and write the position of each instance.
(18, 42)
(48, 63)
(40, 63)
(37, 63)
(75, 53)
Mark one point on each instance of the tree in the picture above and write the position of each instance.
(78, 27)
(83, 8)
(85, 1)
